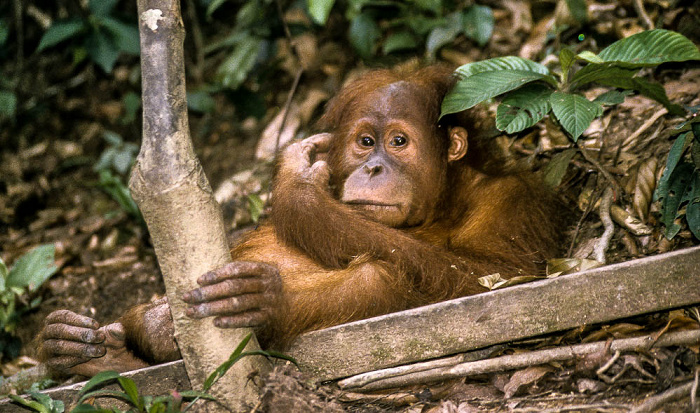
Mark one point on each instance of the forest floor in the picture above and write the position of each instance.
(51, 193)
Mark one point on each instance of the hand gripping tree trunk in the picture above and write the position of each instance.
(177, 203)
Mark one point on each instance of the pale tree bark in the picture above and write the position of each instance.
(177, 203)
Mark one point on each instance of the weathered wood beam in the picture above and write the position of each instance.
(595, 296)
(600, 295)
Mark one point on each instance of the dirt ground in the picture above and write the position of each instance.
(49, 193)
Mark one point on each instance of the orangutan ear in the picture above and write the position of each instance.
(458, 143)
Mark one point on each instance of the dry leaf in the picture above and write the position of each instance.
(523, 378)
(644, 187)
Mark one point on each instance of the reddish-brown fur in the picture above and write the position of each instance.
(340, 251)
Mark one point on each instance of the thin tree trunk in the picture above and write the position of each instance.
(183, 218)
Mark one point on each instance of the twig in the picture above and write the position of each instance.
(577, 408)
(655, 402)
(387, 378)
(589, 208)
(604, 241)
(646, 125)
(600, 168)
(646, 20)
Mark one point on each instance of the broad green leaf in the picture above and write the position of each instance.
(102, 50)
(132, 104)
(597, 72)
(102, 8)
(402, 40)
(574, 112)
(589, 57)
(235, 69)
(126, 36)
(225, 366)
(364, 34)
(319, 10)
(485, 85)
(32, 269)
(612, 97)
(444, 34)
(59, 31)
(692, 212)
(650, 48)
(478, 24)
(249, 15)
(8, 104)
(566, 59)
(523, 108)
(555, 170)
(682, 180)
(649, 89)
(505, 63)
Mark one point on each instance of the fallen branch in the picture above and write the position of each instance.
(392, 378)
(653, 403)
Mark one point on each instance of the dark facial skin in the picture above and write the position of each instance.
(384, 150)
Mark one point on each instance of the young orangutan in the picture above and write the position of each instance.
(399, 213)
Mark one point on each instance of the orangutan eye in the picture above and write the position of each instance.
(366, 141)
(398, 141)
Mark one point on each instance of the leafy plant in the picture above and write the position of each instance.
(679, 187)
(129, 393)
(118, 157)
(400, 26)
(17, 286)
(532, 91)
(41, 403)
(100, 36)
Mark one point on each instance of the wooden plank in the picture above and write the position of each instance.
(154, 381)
(635, 287)
(599, 295)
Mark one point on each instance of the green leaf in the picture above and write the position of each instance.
(650, 48)
(683, 181)
(102, 8)
(8, 104)
(505, 63)
(3, 275)
(38, 407)
(674, 156)
(692, 212)
(132, 103)
(200, 101)
(255, 206)
(102, 50)
(555, 170)
(224, 367)
(444, 34)
(566, 59)
(4, 32)
(319, 10)
(364, 33)
(235, 69)
(523, 108)
(402, 40)
(59, 31)
(126, 36)
(32, 269)
(603, 72)
(612, 97)
(478, 24)
(100, 379)
(130, 389)
(574, 112)
(589, 57)
(482, 86)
